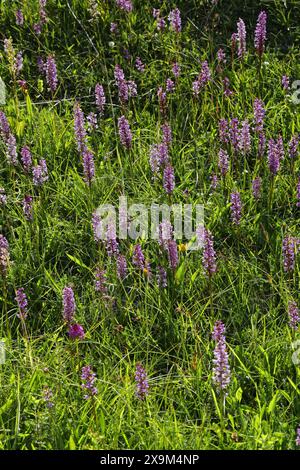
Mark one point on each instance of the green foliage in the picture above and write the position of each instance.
(169, 330)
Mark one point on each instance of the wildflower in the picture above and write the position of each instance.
(100, 281)
(221, 369)
(119, 74)
(158, 156)
(170, 85)
(203, 78)
(234, 39)
(100, 97)
(121, 266)
(162, 150)
(132, 88)
(223, 162)
(76, 331)
(147, 270)
(227, 91)
(259, 114)
(88, 166)
(126, 54)
(123, 221)
(196, 87)
(22, 302)
(182, 247)
(8, 47)
(209, 254)
(3, 197)
(11, 54)
(241, 31)
(234, 133)
(138, 258)
(173, 254)
(40, 173)
(167, 133)
(112, 245)
(51, 73)
(161, 277)
(221, 56)
(97, 226)
(160, 24)
(169, 179)
(139, 65)
(244, 143)
(223, 131)
(165, 233)
(92, 121)
(285, 81)
(41, 65)
(125, 132)
(155, 159)
(294, 316)
(42, 12)
(4, 255)
(142, 385)
(236, 207)
(4, 126)
(79, 128)
(293, 146)
(48, 397)
(88, 380)
(256, 187)
(289, 248)
(214, 181)
(18, 63)
(260, 33)
(126, 88)
(26, 159)
(69, 305)
(125, 5)
(162, 100)
(11, 150)
(37, 27)
(23, 85)
(19, 18)
(175, 20)
(27, 208)
(114, 28)
(273, 157)
(43, 165)
(176, 70)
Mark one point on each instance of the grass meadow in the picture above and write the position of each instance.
(147, 317)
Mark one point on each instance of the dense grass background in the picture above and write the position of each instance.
(169, 330)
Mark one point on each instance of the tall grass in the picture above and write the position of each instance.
(167, 330)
